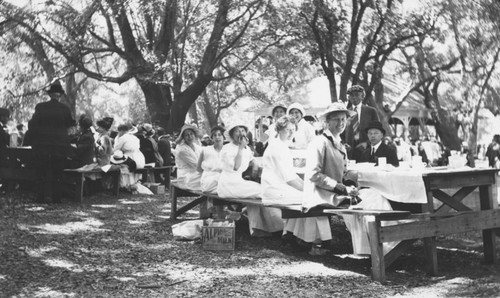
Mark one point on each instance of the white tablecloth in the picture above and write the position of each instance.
(399, 185)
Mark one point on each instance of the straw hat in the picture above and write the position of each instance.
(337, 106)
(297, 106)
(232, 127)
(278, 106)
(195, 129)
(118, 157)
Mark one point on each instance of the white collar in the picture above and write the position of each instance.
(376, 145)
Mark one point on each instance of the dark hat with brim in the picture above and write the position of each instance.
(376, 125)
(56, 88)
(85, 122)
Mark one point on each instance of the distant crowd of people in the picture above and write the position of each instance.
(59, 142)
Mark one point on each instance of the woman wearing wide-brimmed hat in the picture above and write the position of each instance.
(129, 145)
(326, 185)
(187, 153)
(304, 132)
(236, 156)
(209, 163)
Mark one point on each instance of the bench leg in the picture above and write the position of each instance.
(205, 208)
(173, 202)
(167, 177)
(376, 249)
(79, 188)
(116, 183)
(431, 255)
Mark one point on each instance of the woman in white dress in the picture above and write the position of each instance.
(187, 154)
(209, 163)
(304, 132)
(129, 145)
(280, 183)
(236, 157)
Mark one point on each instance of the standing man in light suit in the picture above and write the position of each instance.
(355, 132)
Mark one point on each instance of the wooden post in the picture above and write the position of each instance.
(489, 241)
(430, 242)
(376, 249)
(173, 203)
(79, 187)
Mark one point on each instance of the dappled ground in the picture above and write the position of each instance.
(124, 247)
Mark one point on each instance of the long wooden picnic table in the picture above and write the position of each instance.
(386, 226)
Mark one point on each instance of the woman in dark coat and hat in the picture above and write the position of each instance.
(84, 154)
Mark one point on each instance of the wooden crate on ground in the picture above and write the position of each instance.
(218, 235)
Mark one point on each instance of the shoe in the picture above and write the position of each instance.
(317, 251)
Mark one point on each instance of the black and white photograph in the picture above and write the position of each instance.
(250, 148)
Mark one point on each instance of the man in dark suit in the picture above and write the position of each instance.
(375, 148)
(355, 132)
(50, 141)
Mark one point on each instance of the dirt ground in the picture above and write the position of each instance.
(123, 247)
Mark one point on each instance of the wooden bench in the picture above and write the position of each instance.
(409, 228)
(148, 171)
(79, 175)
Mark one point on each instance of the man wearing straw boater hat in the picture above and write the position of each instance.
(50, 141)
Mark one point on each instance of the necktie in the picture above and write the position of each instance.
(355, 125)
(372, 154)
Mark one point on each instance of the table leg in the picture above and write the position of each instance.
(376, 249)
(430, 242)
(116, 182)
(489, 241)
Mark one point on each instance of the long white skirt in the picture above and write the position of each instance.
(357, 225)
(264, 218)
(281, 193)
(310, 229)
(234, 186)
(189, 179)
(209, 181)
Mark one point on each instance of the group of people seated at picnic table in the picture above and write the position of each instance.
(219, 169)
(59, 142)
